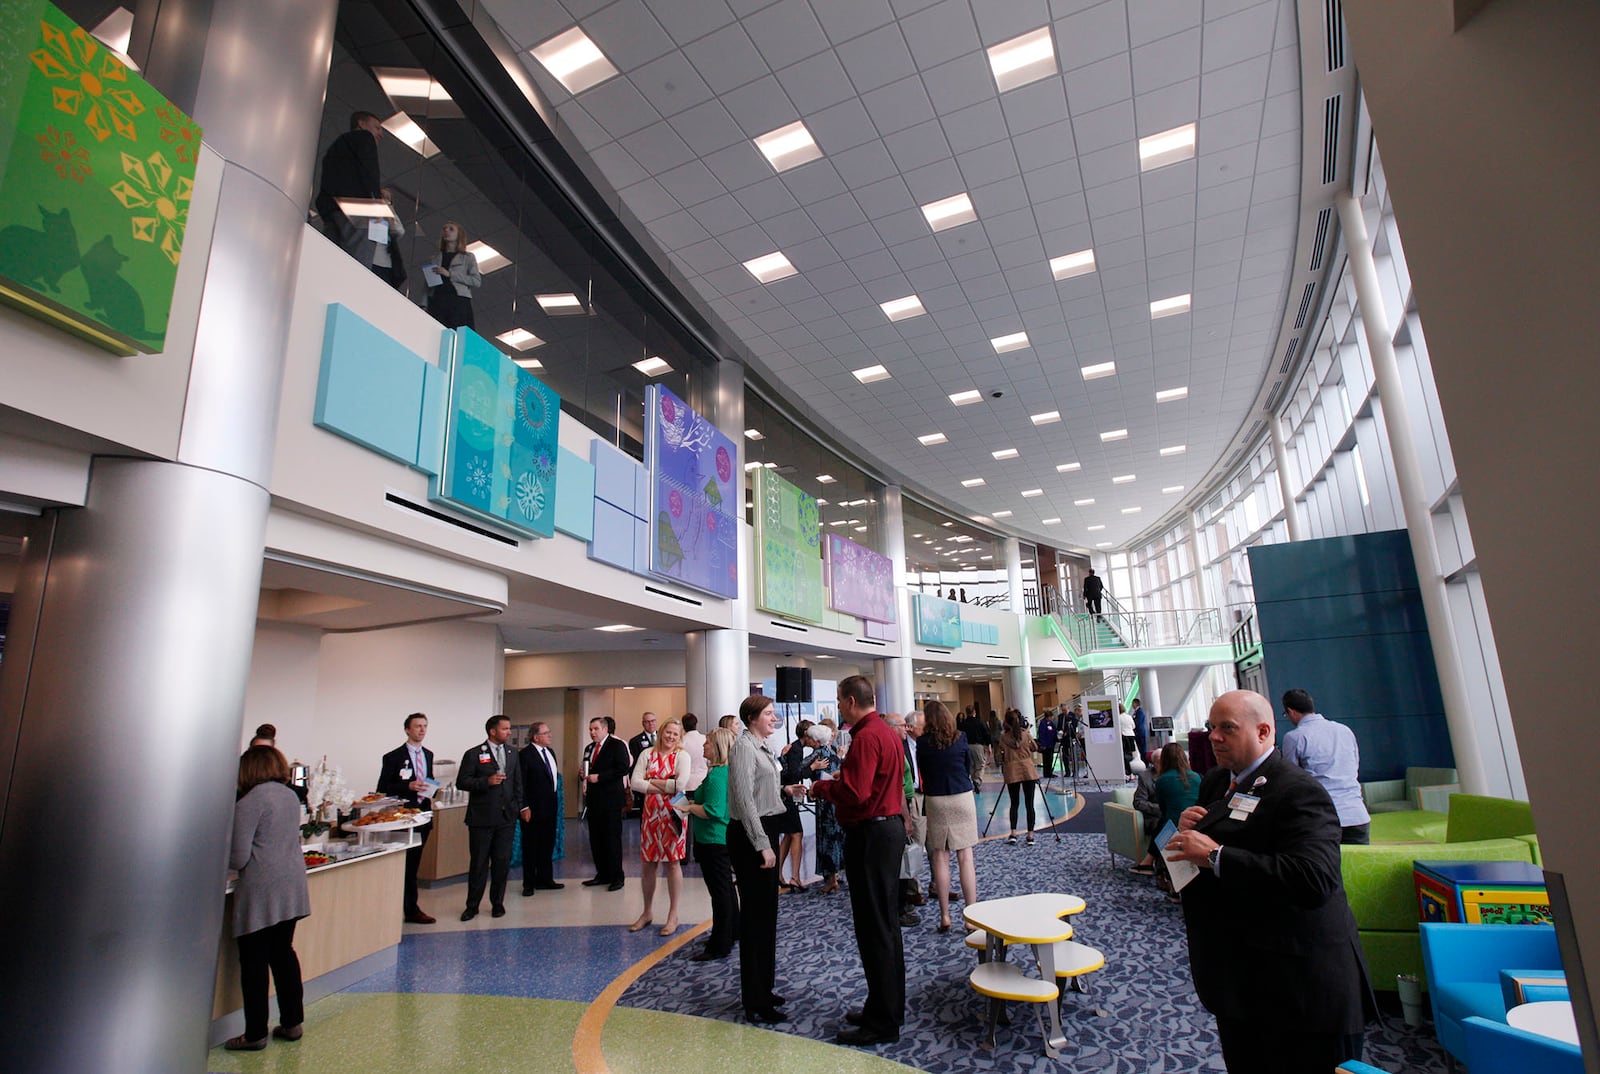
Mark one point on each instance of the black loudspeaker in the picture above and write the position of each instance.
(794, 685)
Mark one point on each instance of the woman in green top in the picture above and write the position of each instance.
(709, 808)
(1177, 787)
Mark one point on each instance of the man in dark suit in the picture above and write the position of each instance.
(541, 789)
(349, 170)
(603, 797)
(1272, 943)
(644, 740)
(404, 775)
(490, 775)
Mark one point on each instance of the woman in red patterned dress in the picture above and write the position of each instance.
(661, 772)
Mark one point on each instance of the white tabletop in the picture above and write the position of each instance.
(1026, 918)
(1551, 1018)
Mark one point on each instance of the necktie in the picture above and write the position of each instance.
(500, 758)
(549, 762)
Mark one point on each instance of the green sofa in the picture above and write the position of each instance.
(1413, 792)
(1378, 877)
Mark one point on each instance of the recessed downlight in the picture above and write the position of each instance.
(870, 374)
(1095, 372)
(1067, 266)
(574, 61)
(902, 309)
(1169, 307)
(788, 147)
(1167, 147)
(770, 268)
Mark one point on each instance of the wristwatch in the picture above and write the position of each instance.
(1214, 857)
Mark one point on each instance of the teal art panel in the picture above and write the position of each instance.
(938, 621)
(372, 389)
(500, 442)
(788, 542)
(574, 496)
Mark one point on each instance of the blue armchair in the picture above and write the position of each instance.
(1463, 963)
(1496, 1048)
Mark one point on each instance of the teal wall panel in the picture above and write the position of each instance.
(371, 389)
(430, 427)
(574, 496)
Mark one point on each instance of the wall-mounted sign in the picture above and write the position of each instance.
(694, 531)
(96, 171)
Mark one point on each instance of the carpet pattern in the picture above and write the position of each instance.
(1153, 1021)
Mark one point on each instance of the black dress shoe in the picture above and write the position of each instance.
(777, 1000)
(768, 1017)
(710, 956)
(240, 1044)
(864, 1038)
(615, 885)
(593, 882)
(528, 891)
(855, 1017)
(498, 911)
(289, 1032)
(550, 886)
(469, 913)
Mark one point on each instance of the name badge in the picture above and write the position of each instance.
(483, 758)
(1241, 805)
(405, 773)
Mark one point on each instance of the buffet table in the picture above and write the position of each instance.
(446, 853)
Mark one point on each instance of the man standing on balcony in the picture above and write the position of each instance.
(1328, 751)
(1093, 588)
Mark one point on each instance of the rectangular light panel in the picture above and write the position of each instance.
(773, 266)
(788, 147)
(1167, 147)
(870, 374)
(902, 309)
(949, 212)
(574, 61)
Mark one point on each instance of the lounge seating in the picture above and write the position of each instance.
(1001, 981)
(1378, 878)
(1395, 795)
(1125, 834)
(1495, 1048)
(1463, 964)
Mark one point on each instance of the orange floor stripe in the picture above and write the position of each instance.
(587, 1055)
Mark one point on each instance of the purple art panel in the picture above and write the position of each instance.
(692, 521)
(861, 581)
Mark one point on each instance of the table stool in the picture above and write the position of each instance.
(1074, 961)
(1001, 981)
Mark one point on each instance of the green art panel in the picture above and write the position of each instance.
(938, 621)
(788, 541)
(96, 172)
(500, 439)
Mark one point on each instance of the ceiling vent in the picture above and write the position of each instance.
(1305, 306)
(1330, 139)
(1324, 218)
(1288, 355)
(1334, 18)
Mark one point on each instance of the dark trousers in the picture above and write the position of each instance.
(605, 838)
(1048, 757)
(538, 852)
(872, 851)
(1356, 834)
(1093, 604)
(717, 869)
(758, 914)
(414, 859)
(490, 863)
(270, 948)
(1256, 1047)
(1021, 791)
(1129, 748)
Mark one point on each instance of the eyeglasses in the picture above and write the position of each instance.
(1225, 728)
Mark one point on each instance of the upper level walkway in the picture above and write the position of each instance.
(1120, 638)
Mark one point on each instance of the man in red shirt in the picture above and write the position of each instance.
(868, 798)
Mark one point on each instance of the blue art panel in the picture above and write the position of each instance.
(614, 477)
(371, 388)
(694, 532)
(574, 496)
(938, 621)
(500, 453)
(612, 538)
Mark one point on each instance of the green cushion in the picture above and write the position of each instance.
(1476, 816)
(1378, 878)
(1409, 826)
(1122, 796)
(1392, 805)
(1378, 791)
(1533, 842)
(1391, 953)
(1429, 777)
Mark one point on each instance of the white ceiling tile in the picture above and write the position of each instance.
(1284, 77)
(1170, 266)
(1171, 59)
(845, 19)
(691, 183)
(703, 257)
(687, 22)
(649, 200)
(1091, 35)
(721, 215)
(901, 227)
(899, 105)
(671, 84)
(678, 230)
(1038, 104)
(657, 148)
(1280, 114)
(1237, 37)
(1060, 213)
(1228, 129)
(1225, 197)
(1010, 227)
(884, 197)
(1106, 127)
(1046, 184)
(1117, 226)
(926, 279)
(1113, 198)
(739, 165)
(1169, 182)
(865, 164)
(877, 58)
(759, 106)
(980, 125)
(1108, 165)
(786, 32)
(917, 253)
(1001, 20)
(934, 181)
(1003, 196)
(1168, 107)
(1152, 19)
(628, 33)
(844, 126)
(619, 107)
(1278, 151)
(984, 166)
(1231, 87)
(941, 32)
(726, 58)
(1045, 146)
(815, 83)
(766, 199)
(836, 214)
(1220, 166)
(618, 168)
(707, 128)
(814, 181)
(960, 83)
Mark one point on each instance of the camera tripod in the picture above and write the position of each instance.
(1044, 796)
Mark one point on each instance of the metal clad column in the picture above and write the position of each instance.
(1150, 694)
(122, 693)
(1019, 679)
(895, 690)
(1280, 460)
(716, 660)
(1408, 476)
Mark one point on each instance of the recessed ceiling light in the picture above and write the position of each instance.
(1169, 307)
(515, 652)
(653, 366)
(1092, 529)
(773, 266)
(927, 542)
(488, 257)
(574, 61)
(825, 479)
(1067, 467)
(972, 482)
(788, 146)
(1102, 544)
(564, 304)
(751, 466)
(1123, 479)
(754, 434)
(404, 83)
(770, 465)
(1167, 147)
(902, 308)
(860, 529)
(1049, 522)
(930, 439)
(840, 522)
(947, 525)
(1095, 372)
(1023, 59)
(1132, 510)
(1001, 514)
(1029, 494)
(1173, 488)
(1113, 434)
(618, 628)
(972, 395)
(520, 338)
(986, 558)
(1067, 266)
(870, 374)
(408, 131)
(532, 365)
(1083, 503)
(1005, 453)
(821, 502)
(961, 538)
(1014, 342)
(1172, 394)
(366, 208)
(916, 536)
(949, 212)
(1049, 417)
(1175, 449)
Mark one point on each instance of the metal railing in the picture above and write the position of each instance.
(1118, 627)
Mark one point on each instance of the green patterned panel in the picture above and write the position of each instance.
(788, 542)
(96, 172)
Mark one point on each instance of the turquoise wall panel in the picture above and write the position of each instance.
(574, 496)
(937, 621)
(372, 388)
(1342, 619)
(612, 540)
(430, 428)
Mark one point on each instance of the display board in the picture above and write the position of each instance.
(500, 439)
(788, 543)
(860, 581)
(938, 621)
(694, 531)
(96, 172)
(1102, 744)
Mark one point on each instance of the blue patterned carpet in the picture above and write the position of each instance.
(1153, 1021)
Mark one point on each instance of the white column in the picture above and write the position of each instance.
(1413, 498)
(1019, 679)
(1280, 460)
(716, 671)
(893, 671)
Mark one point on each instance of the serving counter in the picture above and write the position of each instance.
(446, 854)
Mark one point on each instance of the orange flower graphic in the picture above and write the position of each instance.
(62, 151)
(153, 186)
(88, 82)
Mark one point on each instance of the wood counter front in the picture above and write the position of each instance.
(446, 853)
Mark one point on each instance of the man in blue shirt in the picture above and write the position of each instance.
(1328, 751)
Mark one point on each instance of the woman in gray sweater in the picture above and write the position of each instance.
(270, 897)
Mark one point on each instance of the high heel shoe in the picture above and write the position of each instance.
(640, 925)
(944, 925)
(831, 887)
(669, 928)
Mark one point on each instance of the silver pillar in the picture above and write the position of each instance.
(1019, 679)
(123, 687)
(895, 689)
(1280, 460)
(1150, 693)
(1413, 497)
